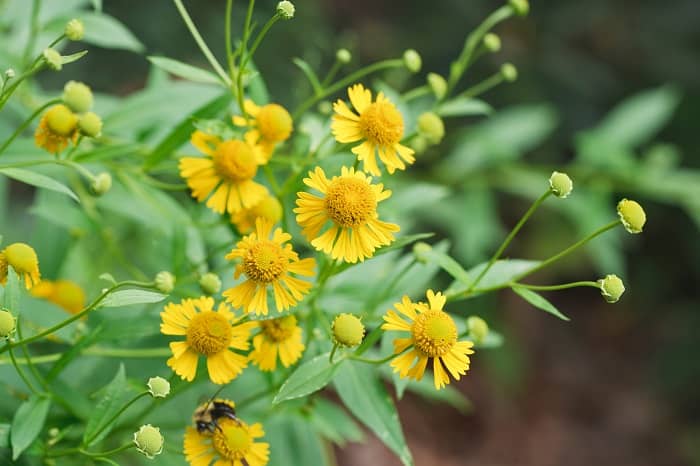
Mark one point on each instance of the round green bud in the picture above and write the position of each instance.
(286, 9)
(165, 282)
(149, 441)
(325, 107)
(631, 215)
(343, 56)
(509, 72)
(61, 120)
(210, 283)
(412, 61)
(74, 29)
(102, 183)
(560, 184)
(348, 330)
(10, 73)
(478, 329)
(421, 251)
(90, 124)
(519, 7)
(7, 324)
(53, 59)
(492, 42)
(611, 287)
(431, 127)
(419, 144)
(158, 387)
(77, 96)
(438, 85)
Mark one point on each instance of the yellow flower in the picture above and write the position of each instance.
(271, 124)
(268, 207)
(379, 124)
(227, 171)
(267, 263)
(209, 333)
(433, 335)
(63, 293)
(23, 259)
(231, 444)
(349, 202)
(57, 127)
(277, 336)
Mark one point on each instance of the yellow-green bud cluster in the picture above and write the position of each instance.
(438, 85)
(158, 387)
(165, 282)
(431, 127)
(478, 329)
(509, 72)
(412, 61)
(343, 56)
(519, 7)
(611, 287)
(631, 215)
(492, 42)
(53, 59)
(61, 120)
(74, 30)
(149, 441)
(348, 330)
(90, 124)
(102, 183)
(77, 96)
(7, 324)
(560, 184)
(210, 283)
(286, 9)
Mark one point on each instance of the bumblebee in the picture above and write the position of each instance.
(206, 417)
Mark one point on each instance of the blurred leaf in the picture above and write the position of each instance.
(492, 340)
(28, 422)
(65, 59)
(331, 421)
(501, 273)
(448, 395)
(4, 436)
(308, 378)
(464, 106)
(448, 264)
(129, 297)
(114, 397)
(538, 301)
(293, 442)
(13, 292)
(105, 31)
(38, 180)
(185, 71)
(310, 74)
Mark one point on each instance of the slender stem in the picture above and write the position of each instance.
(417, 92)
(330, 356)
(488, 83)
(109, 452)
(392, 284)
(370, 340)
(32, 368)
(131, 353)
(242, 60)
(114, 418)
(26, 123)
(200, 42)
(34, 29)
(374, 361)
(227, 33)
(270, 176)
(331, 73)
(20, 372)
(7, 93)
(563, 286)
(257, 396)
(259, 38)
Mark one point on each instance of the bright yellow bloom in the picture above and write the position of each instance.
(268, 207)
(271, 124)
(227, 171)
(277, 336)
(349, 202)
(433, 335)
(57, 127)
(232, 444)
(380, 126)
(268, 263)
(63, 293)
(23, 259)
(209, 333)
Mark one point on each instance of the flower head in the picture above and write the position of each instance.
(378, 124)
(631, 215)
(348, 330)
(63, 293)
(158, 387)
(78, 96)
(227, 171)
(286, 9)
(209, 333)
(268, 208)
(74, 29)
(7, 324)
(412, 60)
(270, 125)
(611, 287)
(432, 335)
(560, 184)
(349, 204)
(281, 336)
(102, 183)
(149, 441)
(23, 260)
(165, 282)
(231, 444)
(56, 129)
(267, 264)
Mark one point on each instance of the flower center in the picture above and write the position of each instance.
(232, 440)
(209, 333)
(382, 124)
(265, 261)
(22, 258)
(434, 333)
(235, 161)
(274, 123)
(350, 202)
(279, 329)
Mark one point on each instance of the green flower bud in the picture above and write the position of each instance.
(412, 61)
(53, 59)
(7, 324)
(343, 56)
(165, 282)
(431, 126)
(325, 107)
(102, 183)
(560, 184)
(9, 73)
(90, 124)
(492, 42)
(286, 9)
(149, 441)
(419, 144)
(421, 251)
(158, 387)
(611, 287)
(210, 283)
(74, 29)
(438, 85)
(509, 72)
(478, 329)
(631, 215)
(519, 7)
(77, 96)
(61, 120)
(348, 330)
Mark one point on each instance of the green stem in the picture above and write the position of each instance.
(109, 452)
(227, 33)
(130, 353)
(331, 73)
(32, 368)
(26, 123)
(563, 286)
(330, 356)
(374, 361)
(488, 83)
(370, 340)
(114, 418)
(7, 93)
(270, 176)
(243, 51)
(20, 372)
(259, 38)
(416, 92)
(34, 29)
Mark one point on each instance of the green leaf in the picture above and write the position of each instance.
(185, 71)
(13, 292)
(538, 301)
(108, 278)
(131, 297)
(114, 397)
(464, 106)
(310, 75)
(105, 31)
(501, 273)
(448, 264)
(4, 436)
(65, 59)
(331, 421)
(364, 395)
(308, 378)
(27, 424)
(449, 395)
(38, 180)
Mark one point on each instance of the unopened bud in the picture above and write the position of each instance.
(210, 283)
(520, 7)
(611, 287)
(492, 42)
(509, 72)
(631, 215)
(165, 282)
(77, 96)
(343, 56)
(560, 184)
(74, 30)
(90, 124)
(149, 441)
(412, 61)
(286, 9)
(438, 85)
(158, 387)
(348, 330)
(53, 59)
(430, 126)
(7, 324)
(102, 183)
(478, 329)
(10, 73)
(421, 251)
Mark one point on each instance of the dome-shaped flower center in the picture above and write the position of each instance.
(235, 161)
(209, 333)
(22, 258)
(434, 333)
(279, 329)
(265, 261)
(382, 124)
(350, 201)
(274, 123)
(232, 440)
